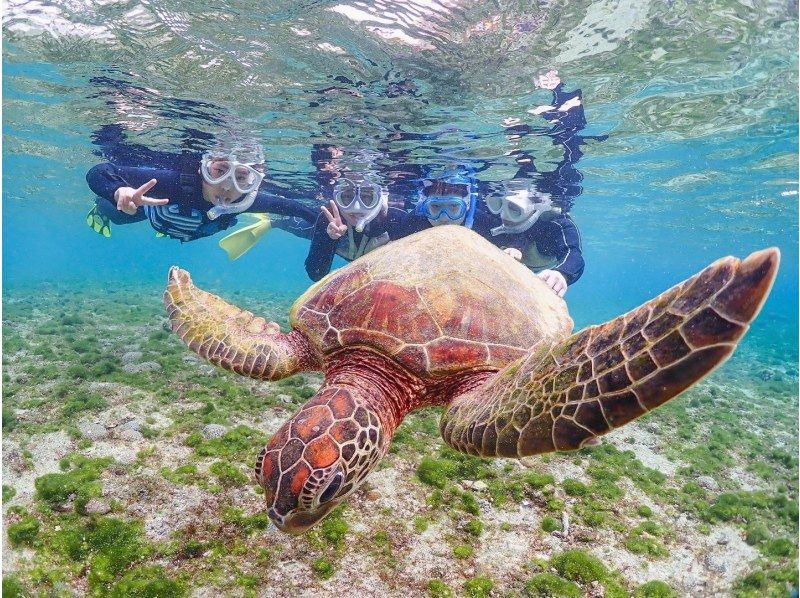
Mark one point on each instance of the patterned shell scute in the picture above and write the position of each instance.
(439, 302)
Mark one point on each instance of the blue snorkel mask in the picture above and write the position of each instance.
(449, 207)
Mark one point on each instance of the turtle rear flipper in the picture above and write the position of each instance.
(608, 375)
(231, 337)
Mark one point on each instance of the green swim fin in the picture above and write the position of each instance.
(99, 223)
(242, 240)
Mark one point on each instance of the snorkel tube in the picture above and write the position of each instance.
(383, 204)
(233, 208)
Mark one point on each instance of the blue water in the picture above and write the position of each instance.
(697, 107)
(697, 165)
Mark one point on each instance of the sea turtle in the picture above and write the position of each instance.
(445, 318)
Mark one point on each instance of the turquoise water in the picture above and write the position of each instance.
(700, 107)
(699, 103)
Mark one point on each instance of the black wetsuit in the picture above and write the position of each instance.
(185, 217)
(556, 239)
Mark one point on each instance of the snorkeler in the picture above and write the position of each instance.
(534, 206)
(450, 199)
(198, 197)
(352, 221)
(537, 233)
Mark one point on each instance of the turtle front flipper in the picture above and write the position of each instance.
(605, 376)
(231, 337)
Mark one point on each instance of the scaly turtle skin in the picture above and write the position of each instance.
(445, 318)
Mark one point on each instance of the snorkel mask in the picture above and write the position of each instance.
(360, 196)
(450, 200)
(231, 171)
(441, 208)
(520, 207)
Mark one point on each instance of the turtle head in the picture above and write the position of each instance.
(319, 457)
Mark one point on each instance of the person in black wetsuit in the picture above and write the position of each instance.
(358, 217)
(535, 225)
(352, 218)
(185, 196)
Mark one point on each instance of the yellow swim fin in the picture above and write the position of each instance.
(99, 223)
(242, 240)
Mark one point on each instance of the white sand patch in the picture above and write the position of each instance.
(696, 566)
(498, 551)
(747, 481)
(176, 508)
(47, 450)
(562, 468)
(122, 453)
(646, 447)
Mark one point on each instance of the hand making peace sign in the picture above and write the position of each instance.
(129, 199)
(336, 227)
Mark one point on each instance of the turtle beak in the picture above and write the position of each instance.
(298, 523)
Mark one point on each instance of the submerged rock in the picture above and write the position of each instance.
(92, 431)
(97, 507)
(715, 563)
(131, 357)
(132, 435)
(145, 366)
(211, 431)
(131, 424)
(707, 482)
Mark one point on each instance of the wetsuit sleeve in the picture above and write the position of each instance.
(321, 252)
(511, 242)
(270, 203)
(561, 239)
(484, 222)
(104, 180)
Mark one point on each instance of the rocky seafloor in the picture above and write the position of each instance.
(127, 472)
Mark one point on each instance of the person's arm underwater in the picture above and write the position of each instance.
(566, 111)
(121, 191)
(328, 229)
(560, 238)
(270, 203)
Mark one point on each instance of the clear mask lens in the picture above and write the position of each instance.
(346, 197)
(494, 203)
(367, 196)
(232, 174)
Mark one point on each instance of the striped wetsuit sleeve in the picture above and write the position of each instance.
(562, 240)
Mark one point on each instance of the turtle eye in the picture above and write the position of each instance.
(332, 488)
